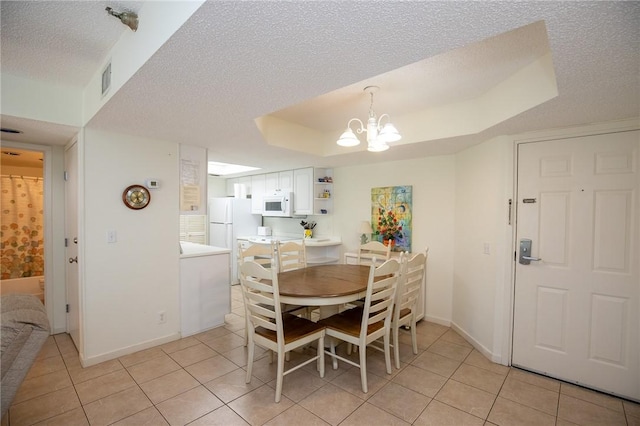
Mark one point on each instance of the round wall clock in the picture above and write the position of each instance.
(136, 197)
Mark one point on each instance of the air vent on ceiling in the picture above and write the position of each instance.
(106, 79)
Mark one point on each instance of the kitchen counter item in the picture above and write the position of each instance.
(264, 231)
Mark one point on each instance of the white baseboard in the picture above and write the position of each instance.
(58, 330)
(477, 345)
(437, 320)
(183, 335)
(88, 362)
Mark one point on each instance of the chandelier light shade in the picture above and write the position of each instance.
(378, 135)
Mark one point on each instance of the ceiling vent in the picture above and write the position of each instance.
(106, 79)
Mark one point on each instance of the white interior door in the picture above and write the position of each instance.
(71, 235)
(576, 310)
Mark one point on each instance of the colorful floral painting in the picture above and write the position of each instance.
(391, 214)
(21, 228)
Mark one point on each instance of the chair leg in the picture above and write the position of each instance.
(349, 348)
(246, 331)
(414, 336)
(287, 356)
(249, 361)
(387, 352)
(334, 360)
(363, 369)
(280, 376)
(321, 355)
(396, 345)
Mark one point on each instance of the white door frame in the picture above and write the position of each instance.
(547, 135)
(48, 223)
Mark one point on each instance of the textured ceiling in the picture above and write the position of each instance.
(59, 41)
(234, 61)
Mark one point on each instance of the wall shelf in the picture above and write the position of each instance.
(322, 205)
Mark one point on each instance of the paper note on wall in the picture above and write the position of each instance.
(189, 197)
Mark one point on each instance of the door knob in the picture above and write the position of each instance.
(73, 259)
(525, 251)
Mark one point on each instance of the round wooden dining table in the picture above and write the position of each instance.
(323, 285)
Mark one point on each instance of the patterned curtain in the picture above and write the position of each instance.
(21, 227)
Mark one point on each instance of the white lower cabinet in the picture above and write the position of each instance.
(205, 292)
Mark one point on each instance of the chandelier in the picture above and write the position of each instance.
(378, 136)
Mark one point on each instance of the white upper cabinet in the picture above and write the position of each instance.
(303, 191)
(312, 189)
(246, 181)
(279, 181)
(257, 190)
(230, 186)
(271, 182)
(286, 180)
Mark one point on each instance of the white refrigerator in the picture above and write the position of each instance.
(228, 219)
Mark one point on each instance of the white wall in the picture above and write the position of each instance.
(433, 180)
(127, 283)
(483, 177)
(37, 100)
(284, 225)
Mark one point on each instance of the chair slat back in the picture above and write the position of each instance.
(261, 297)
(291, 255)
(380, 295)
(412, 274)
(373, 249)
(259, 253)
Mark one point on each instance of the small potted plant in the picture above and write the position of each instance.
(308, 228)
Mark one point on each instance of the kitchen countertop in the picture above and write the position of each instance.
(319, 241)
(197, 250)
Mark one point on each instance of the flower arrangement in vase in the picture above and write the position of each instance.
(308, 228)
(388, 226)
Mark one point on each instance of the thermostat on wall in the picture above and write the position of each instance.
(152, 183)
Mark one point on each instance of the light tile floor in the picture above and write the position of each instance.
(199, 380)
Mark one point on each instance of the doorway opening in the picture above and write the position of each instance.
(22, 222)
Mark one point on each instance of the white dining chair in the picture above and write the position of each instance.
(410, 285)
(291, 255)
(371, 253)
(270, 328)
(367, 251)
(260, 253)
(264, 255)
(361, 326)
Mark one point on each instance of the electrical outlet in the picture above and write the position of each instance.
(162, 317)
(487, 248)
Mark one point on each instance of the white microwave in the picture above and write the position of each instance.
(279, 204)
